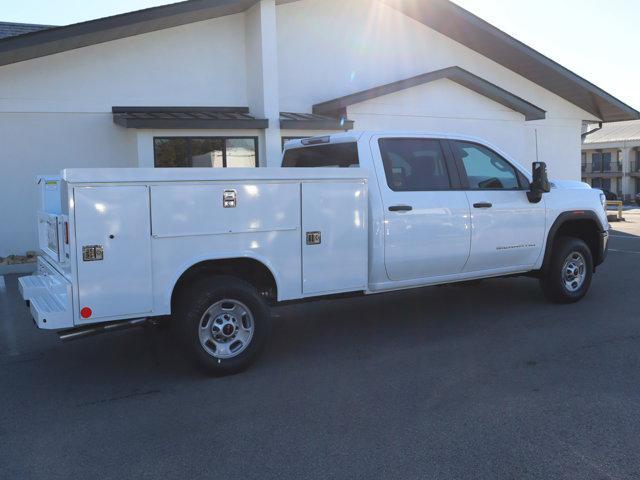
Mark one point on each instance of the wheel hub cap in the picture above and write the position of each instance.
(226, 328)
(223, 327)
(573, 271)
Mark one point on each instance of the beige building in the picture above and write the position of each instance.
(611, 158)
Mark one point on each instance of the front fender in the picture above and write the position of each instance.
(572, 215)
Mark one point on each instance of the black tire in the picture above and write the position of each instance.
(553, 281)
(197, 298)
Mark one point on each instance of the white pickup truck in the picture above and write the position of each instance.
(211, 249)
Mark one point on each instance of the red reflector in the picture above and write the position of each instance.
(86, 312)
(66, 233)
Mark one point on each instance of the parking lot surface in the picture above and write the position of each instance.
(483, 381)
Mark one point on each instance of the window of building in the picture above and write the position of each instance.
(606, 161)
(241, 153)
(341, 155)
(601, 161)
(414, 164)
(216, 152)
(601, 183)
(485, 169)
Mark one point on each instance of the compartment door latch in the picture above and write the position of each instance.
(92, 253)
(314, 238)
(229, 199)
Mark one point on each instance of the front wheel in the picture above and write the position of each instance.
(223, 323)
(568, 276)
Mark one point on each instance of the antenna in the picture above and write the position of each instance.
(536, 132)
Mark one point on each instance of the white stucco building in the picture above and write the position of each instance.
(222, 82)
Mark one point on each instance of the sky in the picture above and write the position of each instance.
(597, 39)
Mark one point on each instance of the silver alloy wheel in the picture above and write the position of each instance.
(573, 271)
(226, 328)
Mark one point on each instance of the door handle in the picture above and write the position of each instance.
(482, 205)
(400, 208)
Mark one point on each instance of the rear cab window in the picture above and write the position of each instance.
(328, 155)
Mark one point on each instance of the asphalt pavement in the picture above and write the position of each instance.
(485, 381)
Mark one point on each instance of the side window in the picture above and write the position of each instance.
(414, 164)
(485, 169)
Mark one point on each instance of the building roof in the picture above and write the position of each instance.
(78, 35)
(440, 15)
(456, 74)
(186, 117)
(10, 29)
(462, 26)
(618, 132)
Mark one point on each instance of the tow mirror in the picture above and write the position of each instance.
(540, 182)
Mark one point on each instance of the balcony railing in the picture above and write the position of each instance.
(635, 166)
(612, 166)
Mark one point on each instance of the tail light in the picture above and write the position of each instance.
(66, 233)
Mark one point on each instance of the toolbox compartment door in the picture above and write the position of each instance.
(113, 242)
(334, 237)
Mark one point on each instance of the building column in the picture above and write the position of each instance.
(261, 43)
(627, 182)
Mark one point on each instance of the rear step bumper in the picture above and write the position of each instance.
(48, 295)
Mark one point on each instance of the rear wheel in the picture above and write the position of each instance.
(568, 276)
(223, 323)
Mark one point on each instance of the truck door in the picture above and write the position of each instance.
(427, 227)
(507, 230)
(113, 242)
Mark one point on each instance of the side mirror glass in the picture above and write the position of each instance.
(540, 183)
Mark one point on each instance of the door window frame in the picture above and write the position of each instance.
(452, 171)
(523, 182)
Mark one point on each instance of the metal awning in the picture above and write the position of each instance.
(312, 121)
(187, 118)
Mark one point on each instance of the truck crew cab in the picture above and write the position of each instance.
(357, 212)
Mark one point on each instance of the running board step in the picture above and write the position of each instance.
(99, 328)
